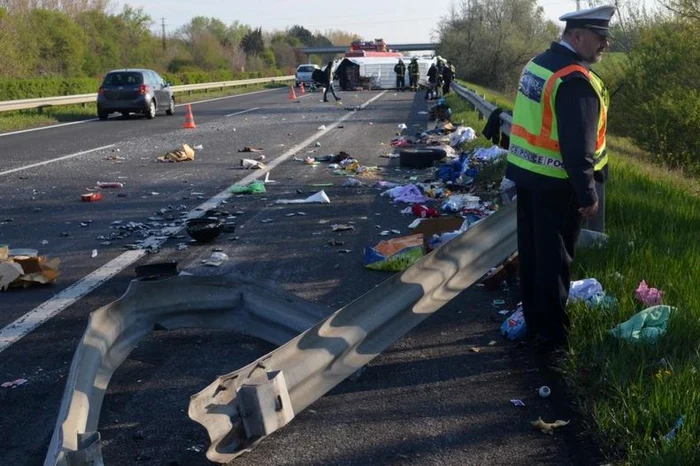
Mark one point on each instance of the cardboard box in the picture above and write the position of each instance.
(435, 226)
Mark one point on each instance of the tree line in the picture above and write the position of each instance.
(84, 39)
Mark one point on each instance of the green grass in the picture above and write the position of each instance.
(33, 118)
(652, 219)
(632, 395)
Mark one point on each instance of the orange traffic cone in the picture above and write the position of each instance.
(301, 89)
(189, 118)
(292, 94)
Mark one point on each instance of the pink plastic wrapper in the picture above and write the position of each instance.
(649, 296)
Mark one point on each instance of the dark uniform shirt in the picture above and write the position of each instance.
(577, 108)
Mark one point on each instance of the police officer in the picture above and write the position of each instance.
(448, 74)
(413, 73)
(400, 70)
(555, 158)
(433, 91)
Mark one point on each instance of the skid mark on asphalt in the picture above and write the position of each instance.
(22, 326)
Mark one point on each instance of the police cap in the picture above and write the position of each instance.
(596, 19)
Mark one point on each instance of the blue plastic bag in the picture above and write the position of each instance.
(514, 326)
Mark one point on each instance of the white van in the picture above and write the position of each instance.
(304, 72)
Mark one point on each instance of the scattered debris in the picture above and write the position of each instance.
(184, 154)
(250, 149)
(252, 164)
(91, 197)
(514, 327)
(517, 402)
(547, 427)
(648, 296)
(14, 383)
(255, 187)
(18, 270)
(672, 433)
(339, 227)
(318, 198)
(646, 326)
(544, 391)
(396, 254)
(109, 184)
(216, 259)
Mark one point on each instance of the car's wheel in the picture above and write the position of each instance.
(102, 115)
(151, 110)
(171, 107)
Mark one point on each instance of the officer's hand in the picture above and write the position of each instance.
(589, 211)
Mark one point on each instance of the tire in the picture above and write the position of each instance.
(151, 110)
(171, 108)
(102, 115)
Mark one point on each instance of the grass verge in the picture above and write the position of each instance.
(632, 395)
(33, 118)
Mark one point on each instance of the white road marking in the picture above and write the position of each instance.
(243, 111)
(57, 159)
(48, 309)
(95, 119)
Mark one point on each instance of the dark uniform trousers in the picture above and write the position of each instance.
(548, 228)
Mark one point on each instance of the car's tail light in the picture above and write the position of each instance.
(101, 91)
(144, 89)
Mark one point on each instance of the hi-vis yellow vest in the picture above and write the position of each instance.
(534, 138)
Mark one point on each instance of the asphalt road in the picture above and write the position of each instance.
(427, 400)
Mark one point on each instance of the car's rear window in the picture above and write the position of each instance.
(306, 69)
(123, 78)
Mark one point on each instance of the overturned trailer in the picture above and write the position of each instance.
(356, 73)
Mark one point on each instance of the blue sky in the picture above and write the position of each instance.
(396, 21)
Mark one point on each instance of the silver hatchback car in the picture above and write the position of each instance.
(134, 91)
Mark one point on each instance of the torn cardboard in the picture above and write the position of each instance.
(184, 154)
(24, 271)
(438, 225)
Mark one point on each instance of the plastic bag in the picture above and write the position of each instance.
(256, 187)
(514, 326)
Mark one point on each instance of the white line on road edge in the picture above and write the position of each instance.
(243, 111)
(26, 167)
(95, 119)
(37, 316)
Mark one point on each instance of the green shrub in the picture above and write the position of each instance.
(11, 89)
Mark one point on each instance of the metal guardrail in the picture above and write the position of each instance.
(23, 104)
(484, 107)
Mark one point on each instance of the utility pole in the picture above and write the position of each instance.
(162, 21)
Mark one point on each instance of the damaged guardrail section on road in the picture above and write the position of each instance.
(182, 301)
(240, 408)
